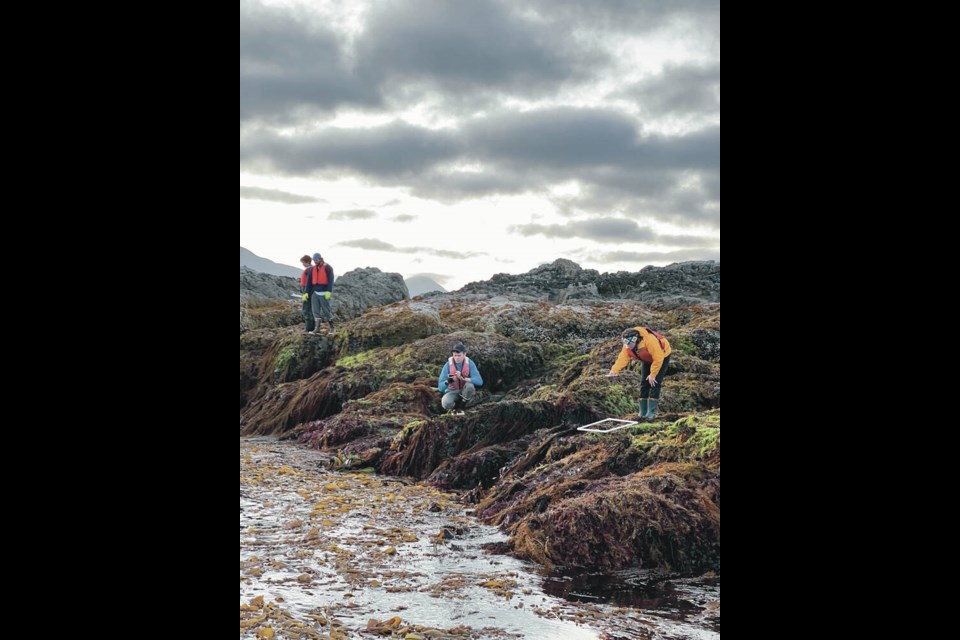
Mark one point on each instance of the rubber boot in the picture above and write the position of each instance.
(651, 408)
(643, 408)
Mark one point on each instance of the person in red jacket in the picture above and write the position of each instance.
(653, 351)
(309, 324)
(458, 380)
(321, 288)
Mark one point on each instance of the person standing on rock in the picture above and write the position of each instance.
(309, 324)
(458, 380)
(653, 351)
(321, 288)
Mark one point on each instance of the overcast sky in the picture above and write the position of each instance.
(466, 138)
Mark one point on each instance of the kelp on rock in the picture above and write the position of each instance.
(647, 496)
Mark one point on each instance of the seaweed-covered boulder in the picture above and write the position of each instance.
(259, 313)
(645, 496)
(269, 357)
(285, 406)
(385, 412)
(390, 326)
(707, 342)
(477, 466)
(277, 410)
(501, 361)
(439, 440)
(666, 517)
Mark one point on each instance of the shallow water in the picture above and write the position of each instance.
(341, 553)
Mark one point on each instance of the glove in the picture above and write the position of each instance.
(326, 294)
(306, 296)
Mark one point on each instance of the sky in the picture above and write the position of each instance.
(460, 139)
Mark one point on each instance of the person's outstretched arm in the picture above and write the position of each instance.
(622, 360)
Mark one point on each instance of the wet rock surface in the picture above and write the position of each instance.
(326, 554)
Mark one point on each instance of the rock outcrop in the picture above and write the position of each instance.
(361, 289)
(563, 280)
(646, 496)
(254, 284)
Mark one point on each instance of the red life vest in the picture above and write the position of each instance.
(642, 353)
(320, 274)
(465, 372)
(303, 278)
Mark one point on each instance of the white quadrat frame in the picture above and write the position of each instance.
(624, 425)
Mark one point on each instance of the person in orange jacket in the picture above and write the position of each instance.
(653, 351)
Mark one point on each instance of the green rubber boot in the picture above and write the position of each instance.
(643, 407)
(651, 408)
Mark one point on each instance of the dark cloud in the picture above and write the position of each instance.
(681, 197)
(477, 46)
(462, 63)
(682, 90)
(452, 186)
(564, 139)
(699, 242)
(615, 230)
(372, 244)
(561, 137)
(699, 18)
(392, 150)
(617, 167)
(610, 230)
(294, 66)
(291, 65)
(352, 214)
(646, 257)
(273, 195)
(404, 217)
(711, 186)
(539, 141)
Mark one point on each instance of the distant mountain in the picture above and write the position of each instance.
(420, 284)
(253, 261)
